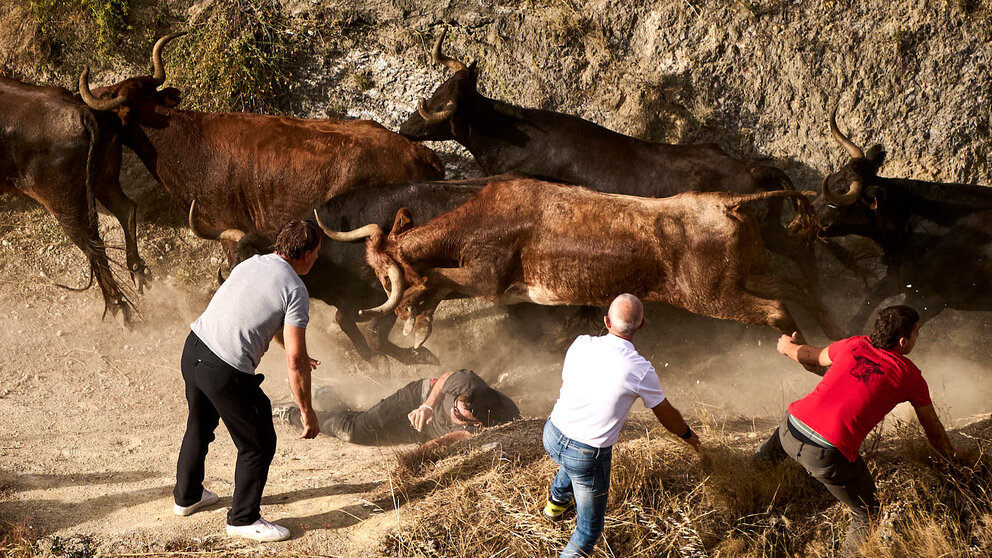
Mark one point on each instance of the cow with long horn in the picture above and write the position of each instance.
(936, 236)
(525, 240)
(251, 172)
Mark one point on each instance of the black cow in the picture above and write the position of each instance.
(56, 150)
(341, 278)
(564, 148)
(936, 237)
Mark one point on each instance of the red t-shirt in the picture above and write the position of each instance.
(862, 385)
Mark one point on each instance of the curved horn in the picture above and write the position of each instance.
(234, 235)
(159, 74)
(357, 234)
(843, 140)
(435, 117)
(91, 100)
(395, 294)
(440, 58)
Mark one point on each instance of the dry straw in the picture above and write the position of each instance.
(483, 497)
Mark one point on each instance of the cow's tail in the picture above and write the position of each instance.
(113, 298)
(805, 222)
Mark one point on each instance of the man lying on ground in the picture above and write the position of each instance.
(435, 410)
(868, 376)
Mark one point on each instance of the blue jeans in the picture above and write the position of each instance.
(583, 474)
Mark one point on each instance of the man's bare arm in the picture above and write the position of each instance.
(935, 432)
(807, 355)
(672, 420)
(298, 368)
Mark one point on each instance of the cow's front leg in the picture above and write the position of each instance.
(346, 321)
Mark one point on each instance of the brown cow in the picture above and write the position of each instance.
(252, 172)
(56, 150)
(525, 240)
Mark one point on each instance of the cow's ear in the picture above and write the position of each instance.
(876, 197)
(124, 113)
(169, 97)
(876, 156)
(403, 221)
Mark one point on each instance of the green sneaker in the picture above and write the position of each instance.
(555, 511)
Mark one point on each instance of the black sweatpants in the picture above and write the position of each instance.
(216, 390)
(385, 423)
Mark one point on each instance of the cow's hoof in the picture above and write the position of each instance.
(424, 355)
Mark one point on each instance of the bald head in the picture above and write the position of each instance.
(626, 315)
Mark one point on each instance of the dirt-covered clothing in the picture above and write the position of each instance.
(862, 385)
(387, 421)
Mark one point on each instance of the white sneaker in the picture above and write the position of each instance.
(261, 530)
(205, 500)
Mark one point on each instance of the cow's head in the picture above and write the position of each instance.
(442, 116)
(386, 269)
(852, 197)
(135, 99)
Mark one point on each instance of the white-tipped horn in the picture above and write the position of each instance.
(395, 294)
(234, 235)
(357, 234)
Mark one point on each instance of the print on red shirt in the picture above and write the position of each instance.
(865, 369)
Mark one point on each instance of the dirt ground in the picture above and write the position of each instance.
(93, 413)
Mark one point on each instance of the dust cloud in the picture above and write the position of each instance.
(707, 367)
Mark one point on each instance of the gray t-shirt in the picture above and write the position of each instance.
(262, 294)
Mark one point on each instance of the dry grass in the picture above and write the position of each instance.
(483, 497)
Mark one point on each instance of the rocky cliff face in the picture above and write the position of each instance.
(758, 79)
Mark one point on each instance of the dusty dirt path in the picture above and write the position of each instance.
(93, 415)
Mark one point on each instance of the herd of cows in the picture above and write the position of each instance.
(570, 213)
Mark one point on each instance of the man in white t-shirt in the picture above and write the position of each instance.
(263, 300)
(601, 378)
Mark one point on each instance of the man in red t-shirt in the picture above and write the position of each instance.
(868, 376)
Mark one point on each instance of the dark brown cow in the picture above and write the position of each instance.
(249, 171)
(524, 240)
(936, 236)
(56, 150)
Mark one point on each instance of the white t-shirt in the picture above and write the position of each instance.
(601, 378)
(261, 294)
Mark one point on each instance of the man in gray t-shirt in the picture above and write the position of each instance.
(264, 299)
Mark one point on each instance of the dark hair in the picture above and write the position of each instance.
(296, 238)
(484, 404)
(892, 324)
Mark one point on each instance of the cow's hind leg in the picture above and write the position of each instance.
(780, 288)
(749, 308)
(126, 211)
(800, 252)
